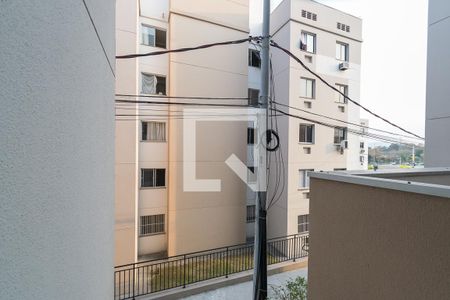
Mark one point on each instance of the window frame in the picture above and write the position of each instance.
(252, 174)
(155, 43)
(313, 88)
(251, 214)
(347, 51)
(154, 224)
(305, 179)
(254, 53)
(345, 135)
(314, 41)
(154, 178)
(313, 133)
(339, 96)
(153, 141)
(303, 223)
(157, 76)
(250, 98)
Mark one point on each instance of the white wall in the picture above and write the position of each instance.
(56, 150)
(438, 104)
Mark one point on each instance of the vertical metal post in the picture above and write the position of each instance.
(295, 246)
(134, 283)
(226, 264)
(260, 269)
(184, 271)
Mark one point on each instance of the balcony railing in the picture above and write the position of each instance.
(153, 276)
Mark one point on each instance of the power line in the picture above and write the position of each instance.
(186, 49)
(373, 136)
(98, 37)
(181, 103)
(183, 97)
(274, 44)
(343, 121)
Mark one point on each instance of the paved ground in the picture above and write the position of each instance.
(243, 291)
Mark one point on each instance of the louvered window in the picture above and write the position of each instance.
(152, 224)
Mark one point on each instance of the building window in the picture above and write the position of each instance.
(361, 145)
(154, 224)
(153, 37)
(303, 182)
(153, 177)
(254, 59)
(251, 174)
(303, 223)
(250, 136)
(344, 90)
(251, 213)
(341, 51)
(340, 134)
(307, 88)
(306, 133)
(154, 131)
(253, 97)
(308, 42)
(153, 84)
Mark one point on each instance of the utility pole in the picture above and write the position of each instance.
(260, 257)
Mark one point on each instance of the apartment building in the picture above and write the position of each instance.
(438, 106)
(329, 42)
(155, 213)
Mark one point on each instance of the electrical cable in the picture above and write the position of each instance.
(183, 97)
(274, 44)
(186, 49)
(346, 122)
(180, 103)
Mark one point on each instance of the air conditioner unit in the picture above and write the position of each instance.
(344, 66)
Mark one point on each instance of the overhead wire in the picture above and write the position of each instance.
(343, 121)
(186, 49)
(276, 45)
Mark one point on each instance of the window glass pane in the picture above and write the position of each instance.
(147, 178)
(160, 85)
(148, 35)
(160, 177)
(306, 88)
(160, 39)
(144, 131)
(253, 96)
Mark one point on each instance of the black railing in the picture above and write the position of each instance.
(153, 276)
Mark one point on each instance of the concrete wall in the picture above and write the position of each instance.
(438, 104)
(56, 150)
(126, 135)
(375, 243)
(204, 220)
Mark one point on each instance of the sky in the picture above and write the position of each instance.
(394, 49)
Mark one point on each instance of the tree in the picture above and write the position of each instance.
(295, 289)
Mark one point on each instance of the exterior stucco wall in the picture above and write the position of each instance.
(287, 25)
(56, 150)
(438, 72)
(375, 243)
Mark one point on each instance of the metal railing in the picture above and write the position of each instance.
(143, 278)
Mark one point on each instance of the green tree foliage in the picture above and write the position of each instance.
(295, 289)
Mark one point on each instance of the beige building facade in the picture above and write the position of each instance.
(328, 41)
(155, 213)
